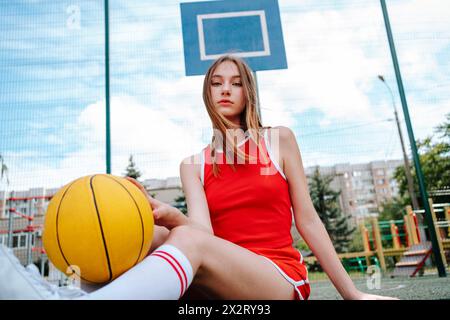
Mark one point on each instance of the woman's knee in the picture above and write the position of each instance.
(186, 234)
(189, 240)
(160, 235)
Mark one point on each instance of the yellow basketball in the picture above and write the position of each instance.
(99, 225)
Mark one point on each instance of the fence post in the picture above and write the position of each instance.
(394, 234)
(379, 249)
(408, 226)
(447, 218)
(366, 244)
(10, 226)
(412, 225)
(438, 234)
(30, 231)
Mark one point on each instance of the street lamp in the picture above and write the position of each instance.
(409, 179)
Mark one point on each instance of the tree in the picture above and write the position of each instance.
(326, 203)
(435, 162)
(444, 129)
(393, 209)
(3, 169)
(180, 203)
(131, 170)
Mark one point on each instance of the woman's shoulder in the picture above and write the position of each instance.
(282, 132)
(194, 162)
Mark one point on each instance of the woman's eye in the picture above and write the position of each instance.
(216, 84)
(237, 84)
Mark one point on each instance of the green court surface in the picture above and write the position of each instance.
(429, 287)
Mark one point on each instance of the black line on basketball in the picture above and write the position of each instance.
(101, 229)
(57, 229)
(140, 215)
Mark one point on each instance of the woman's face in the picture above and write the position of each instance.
(227, 92)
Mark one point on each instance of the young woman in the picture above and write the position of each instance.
(242, 191)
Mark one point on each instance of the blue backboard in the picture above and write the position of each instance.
(249, 29)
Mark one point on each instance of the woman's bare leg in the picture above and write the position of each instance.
(160, 235)
(224, 270)
(216, 268)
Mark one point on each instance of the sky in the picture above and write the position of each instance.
(52, 85)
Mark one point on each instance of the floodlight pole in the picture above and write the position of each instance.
(108, 124)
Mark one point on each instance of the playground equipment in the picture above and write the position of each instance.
(412, 250)
(413, 260)
(400, 239)
(24, 225)
(358, 263)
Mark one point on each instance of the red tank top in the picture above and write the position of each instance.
(251, 209)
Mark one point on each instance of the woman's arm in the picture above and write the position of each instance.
(197, 205)
(308, 222)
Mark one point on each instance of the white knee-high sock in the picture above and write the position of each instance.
(163, 275)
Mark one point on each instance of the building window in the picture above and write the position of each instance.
(380, 172)
(20, 240)
(380, 181)
(23, 240)
(15, 241)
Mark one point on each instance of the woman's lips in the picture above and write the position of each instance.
(225, 102)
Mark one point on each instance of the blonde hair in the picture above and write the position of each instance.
(249, 121)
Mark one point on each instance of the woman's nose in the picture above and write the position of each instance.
(226, 89)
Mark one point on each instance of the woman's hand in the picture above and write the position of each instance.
(164, 214)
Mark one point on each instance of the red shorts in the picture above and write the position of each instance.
(297, 278)
(291, 266)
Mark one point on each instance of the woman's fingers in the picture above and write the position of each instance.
(152, 200)
(136, 183)
(156, 214)
(154, 203)
(161, 210)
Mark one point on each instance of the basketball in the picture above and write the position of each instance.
(99, 226)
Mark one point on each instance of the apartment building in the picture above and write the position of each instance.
(364, 187)
(23, 213)
(165, 190)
